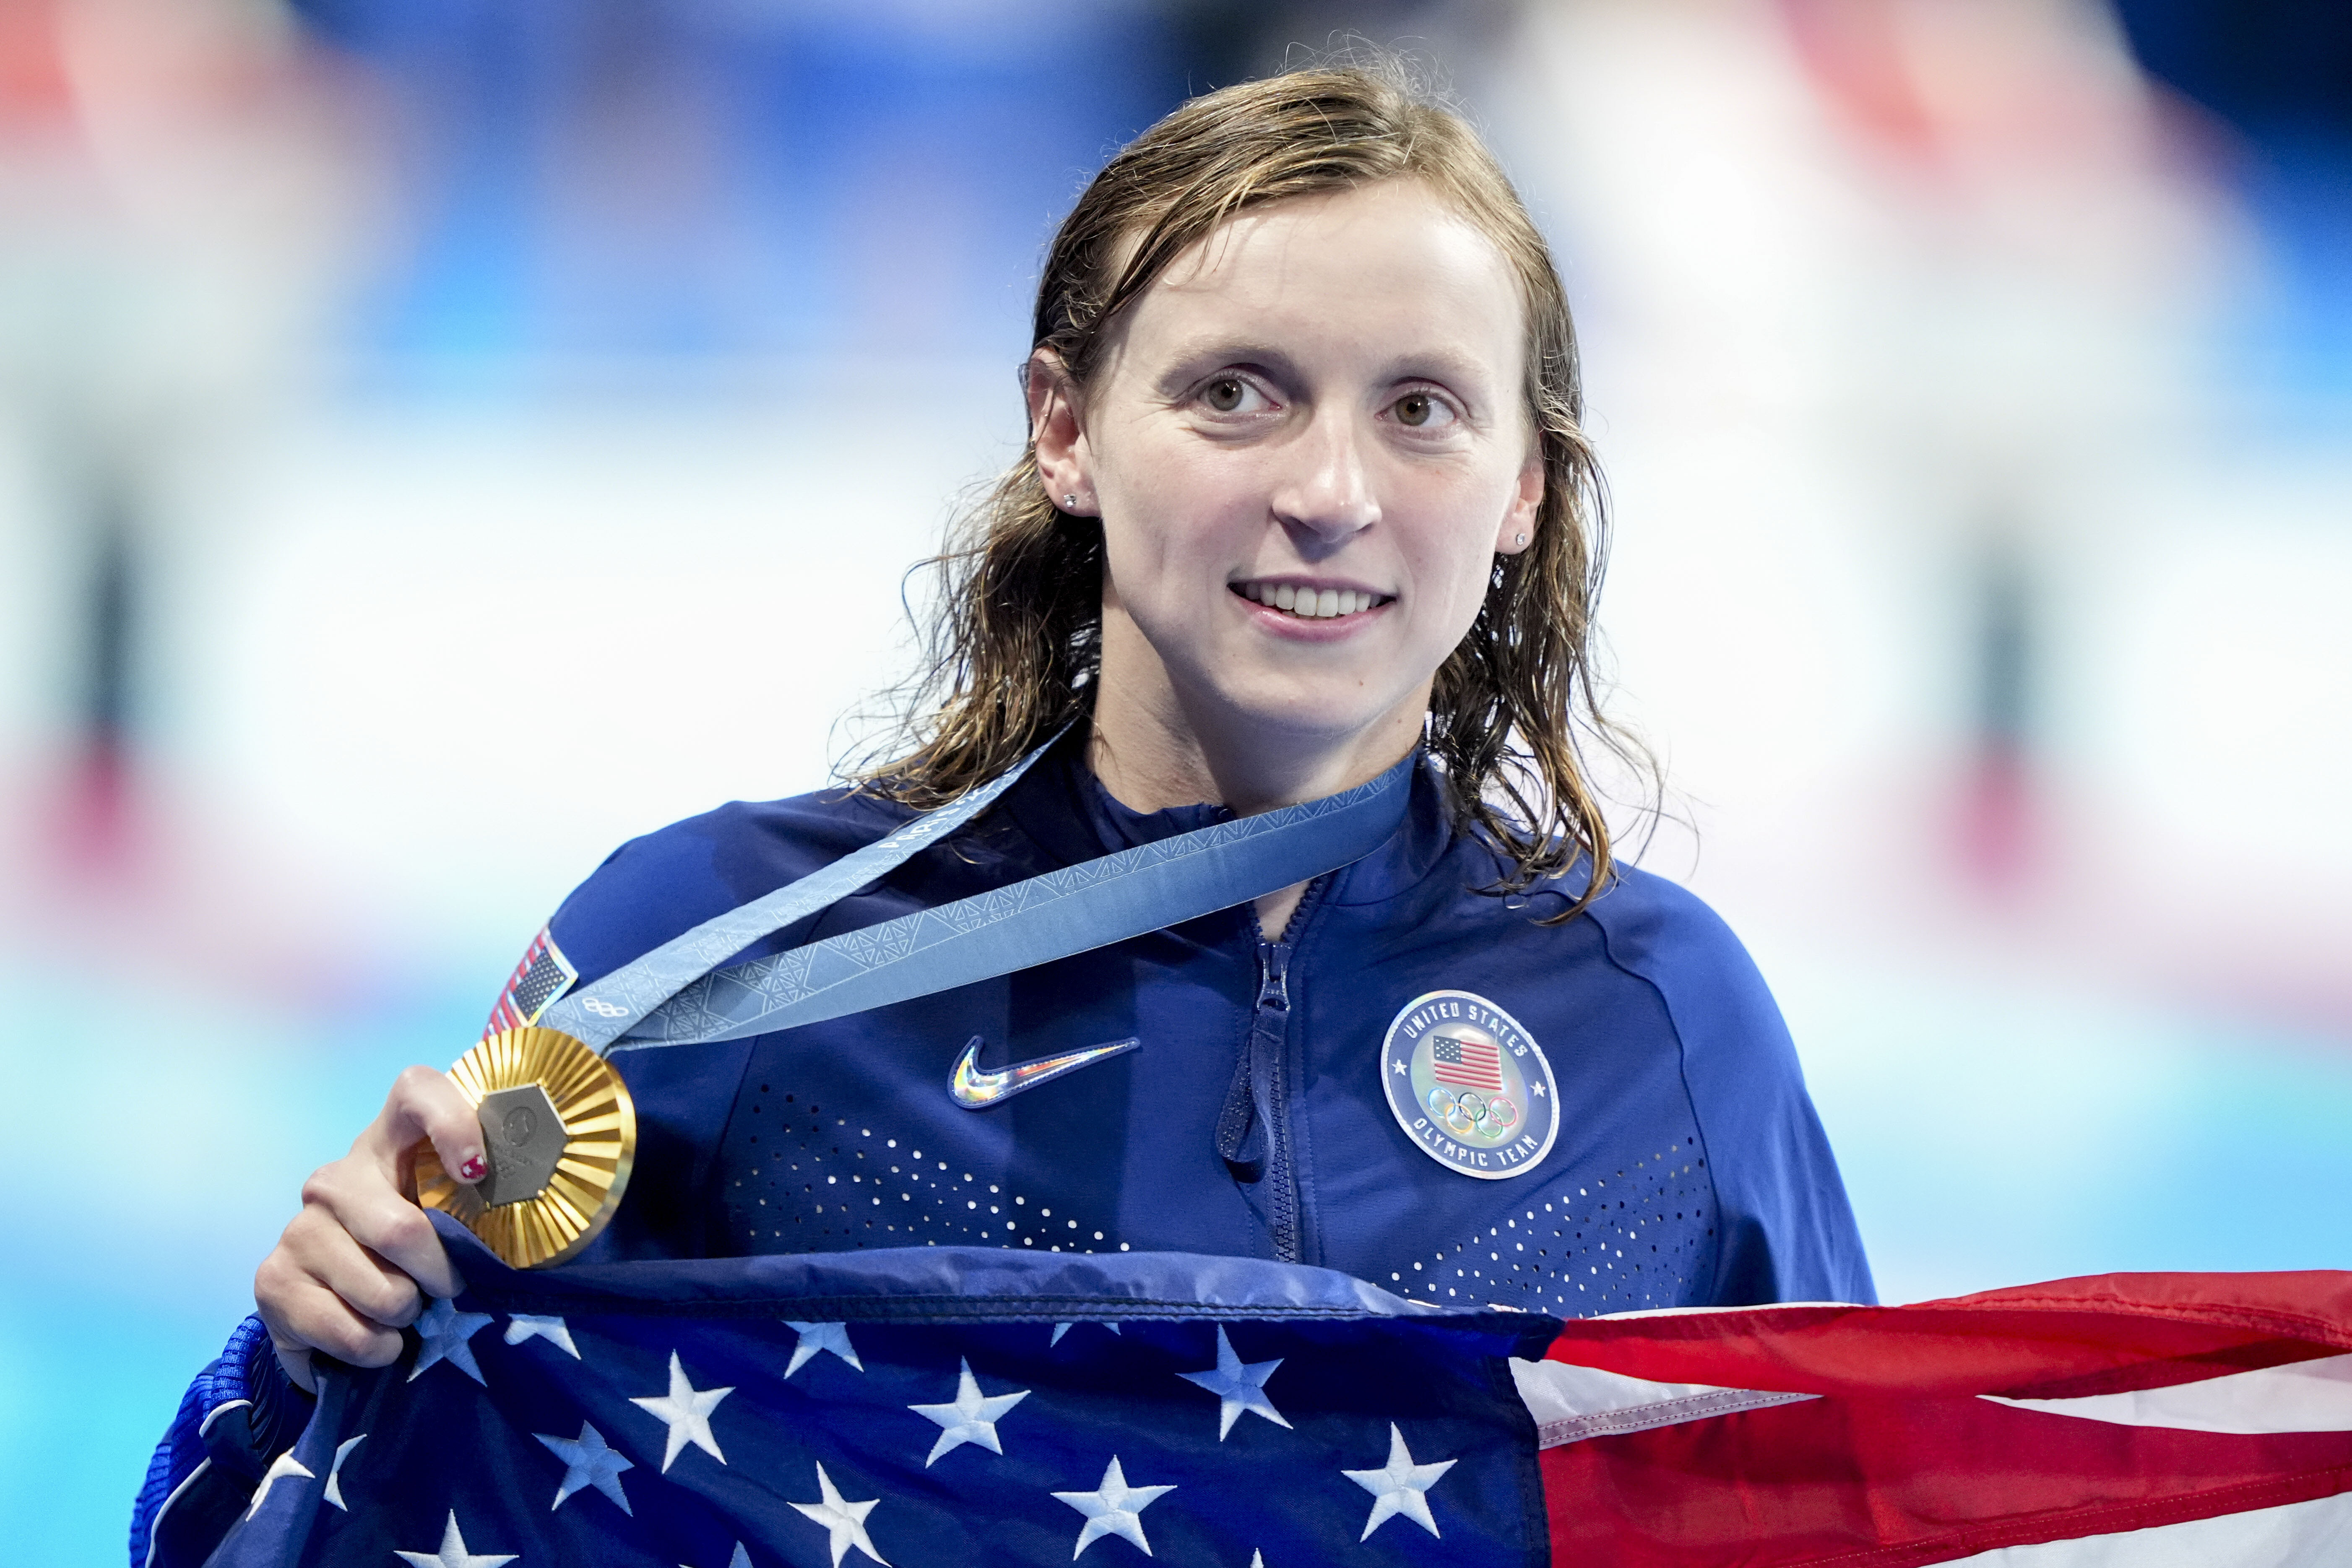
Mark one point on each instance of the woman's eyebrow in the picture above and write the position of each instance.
(1187, 361)
(1449, 366)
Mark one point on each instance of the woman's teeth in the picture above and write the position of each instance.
(1315, 604)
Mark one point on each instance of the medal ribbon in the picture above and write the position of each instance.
(673, 996)
(601, 1013)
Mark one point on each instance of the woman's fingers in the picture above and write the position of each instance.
(326, 1248)
(424, 1103)
(353, 1206)
(354, 1267)
(303, 1312)
(380, 1214)
(309, 1317)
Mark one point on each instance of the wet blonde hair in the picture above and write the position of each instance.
(1013, 645)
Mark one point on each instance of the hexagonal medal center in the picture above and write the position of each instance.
(526, 1139)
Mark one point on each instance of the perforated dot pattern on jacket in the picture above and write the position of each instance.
(1641, 1236)
(799, 1178)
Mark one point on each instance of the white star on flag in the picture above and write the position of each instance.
(1239, 1386)
(444, 1331)
(688, 1410)
(1397, 1488)
(843, 1522)
(1114, 1508)
(521, 1327)
(815, 1337)
(973, 1418)
(589, 1462)
(1061, 1329)
(279, 1469)
(452, 1552)
(334, 1492)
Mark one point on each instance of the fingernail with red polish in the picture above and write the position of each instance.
(474, 1170)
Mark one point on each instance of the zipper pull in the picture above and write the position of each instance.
(1273, 977)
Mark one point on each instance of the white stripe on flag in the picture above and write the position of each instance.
(1573, 1402)
(2309, 1396)
(2297, 1535)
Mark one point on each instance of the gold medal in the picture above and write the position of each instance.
(561, 1133)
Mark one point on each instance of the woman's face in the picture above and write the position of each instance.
(1307, 442)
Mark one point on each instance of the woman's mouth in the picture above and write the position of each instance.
(1310, 603)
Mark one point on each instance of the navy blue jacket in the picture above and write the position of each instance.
(1689, 1168)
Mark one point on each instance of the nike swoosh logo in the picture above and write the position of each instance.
(974, 1089)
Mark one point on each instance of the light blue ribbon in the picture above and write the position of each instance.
(600, 1014)
(672, 996)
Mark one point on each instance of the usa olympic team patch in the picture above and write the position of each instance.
(1470, 1086)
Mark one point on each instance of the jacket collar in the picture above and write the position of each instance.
(1064, 808)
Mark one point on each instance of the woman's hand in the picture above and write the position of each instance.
(353, 1268)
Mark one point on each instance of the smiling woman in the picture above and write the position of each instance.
(1306, 538)
(1308, 317)
(1322, 400)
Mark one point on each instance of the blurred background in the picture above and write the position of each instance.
(439, 440)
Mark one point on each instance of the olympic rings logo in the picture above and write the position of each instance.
(604, 1009)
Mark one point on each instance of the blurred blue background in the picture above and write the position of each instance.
(390, 389)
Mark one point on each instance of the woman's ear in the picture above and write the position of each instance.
(1057, 432)
(1518, 530)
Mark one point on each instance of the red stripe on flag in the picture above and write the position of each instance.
(2141, 1330)
(1873, 1483)
(1901, 1463)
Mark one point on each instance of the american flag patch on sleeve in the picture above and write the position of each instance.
(544, 974)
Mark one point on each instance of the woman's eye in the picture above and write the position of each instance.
(1421, 410)
(1233, 394)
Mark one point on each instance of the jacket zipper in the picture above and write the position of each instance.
(1270, 1084)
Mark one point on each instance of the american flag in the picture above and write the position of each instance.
(914, 1406)
(969, 1406)
(544, 974)
(1465, 1064)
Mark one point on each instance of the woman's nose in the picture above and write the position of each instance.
(1327, 490)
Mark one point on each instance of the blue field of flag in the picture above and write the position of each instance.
(940, 1406)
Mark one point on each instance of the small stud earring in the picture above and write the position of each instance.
(1520, 539)
(1071, 500)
